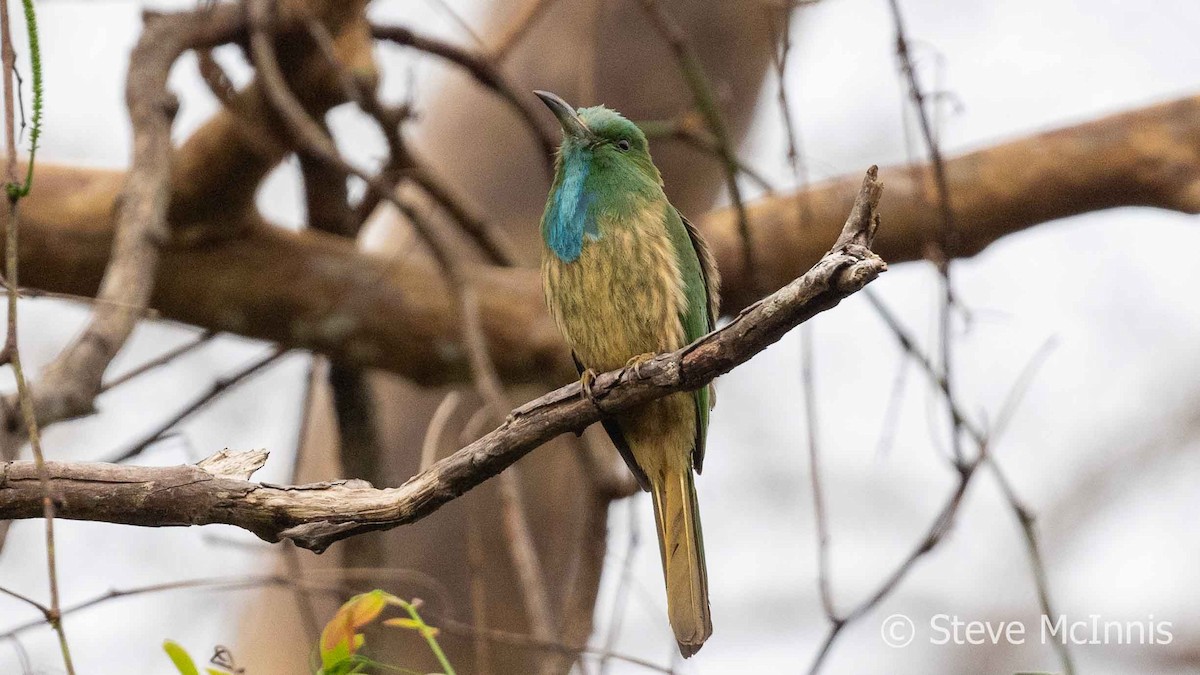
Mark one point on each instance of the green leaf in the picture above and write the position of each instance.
(179, 656)
(332, 657)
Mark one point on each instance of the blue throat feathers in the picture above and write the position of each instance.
(570, 218)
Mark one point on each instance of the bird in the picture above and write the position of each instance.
(626, 276)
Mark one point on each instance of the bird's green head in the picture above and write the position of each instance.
(603, 165)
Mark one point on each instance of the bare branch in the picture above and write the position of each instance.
(484, 72)
(314, 516)
(688, 129)
(706, 103)
(526, 18)
(966, 471)
(159, 361)
(219, 388)
(944, 245)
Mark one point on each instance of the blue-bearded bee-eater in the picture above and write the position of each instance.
(626, 277)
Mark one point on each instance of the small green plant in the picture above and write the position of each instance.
(16, 191)
(341, 642)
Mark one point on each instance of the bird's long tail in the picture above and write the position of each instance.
(677, 515)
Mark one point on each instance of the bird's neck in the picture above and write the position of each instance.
(584, 195)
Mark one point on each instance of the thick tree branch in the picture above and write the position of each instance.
(398, 316)
(1145, 157)
(314, 516)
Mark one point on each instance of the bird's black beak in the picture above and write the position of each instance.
(572, 124)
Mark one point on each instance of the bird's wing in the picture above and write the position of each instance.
(618, 439)
(702, 286)
(708, 270)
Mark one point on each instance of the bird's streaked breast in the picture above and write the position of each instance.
(623, 296)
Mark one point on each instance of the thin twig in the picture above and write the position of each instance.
(12, 350)
(706, 102)
(529, 14)
(808, 383)
(159, 361)
(476, 565)
(291, 558)
(946, 234)
(795, 152)
(304, 600)
(404, 162)
(624, 583)
(458, 20)
(937, 378)
(529, 642)
(27, 600)
(212, 584)
(582, 583)
(891, 413)
(522, 547)
(22, 656)
(984, 442)
(436, 430)
(933, 536)
(485, 72)
(217, 389)
(1024, 515)
(684, 129)
(239, 583)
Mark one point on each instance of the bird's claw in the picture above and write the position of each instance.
(637, 362)
(586, 378)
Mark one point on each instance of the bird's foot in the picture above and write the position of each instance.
(586, 378)
(637, 362)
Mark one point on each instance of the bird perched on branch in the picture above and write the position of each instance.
(626, 276)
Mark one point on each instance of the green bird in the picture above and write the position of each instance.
(626, 277)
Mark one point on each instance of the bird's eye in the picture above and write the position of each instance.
(623, 145)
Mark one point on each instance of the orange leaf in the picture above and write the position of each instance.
(357, 612)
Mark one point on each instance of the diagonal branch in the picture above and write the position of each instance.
(317, 515)
(484, 70)
(706, 105)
